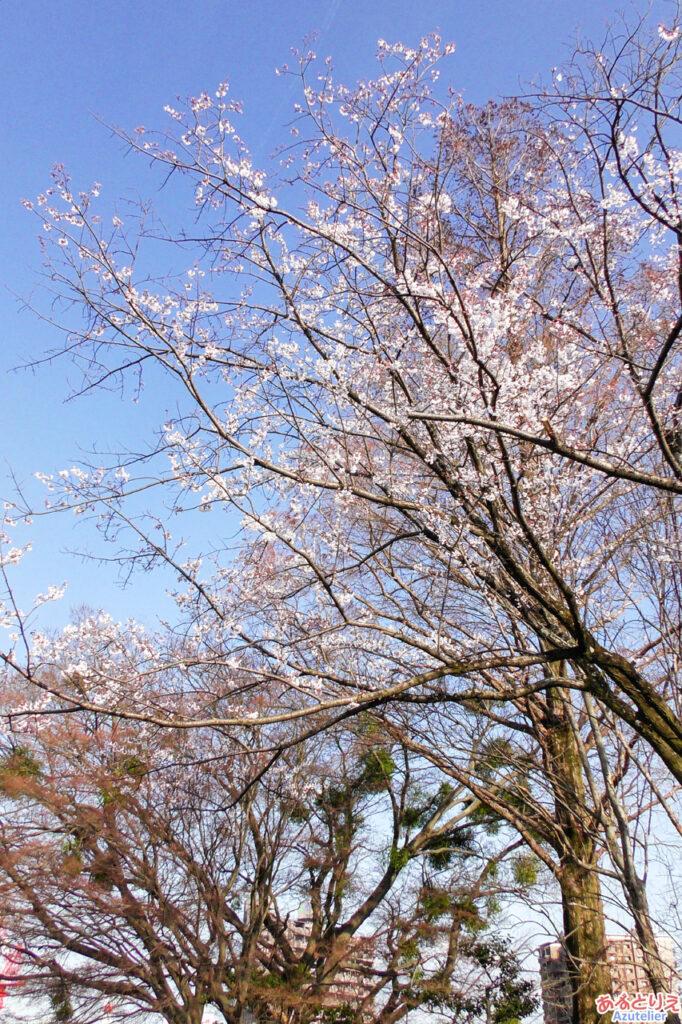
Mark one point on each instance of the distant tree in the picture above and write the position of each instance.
(158, 873)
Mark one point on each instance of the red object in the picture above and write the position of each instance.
(9, 968)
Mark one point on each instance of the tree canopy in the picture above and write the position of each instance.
(429, 361)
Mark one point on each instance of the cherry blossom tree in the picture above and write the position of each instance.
(430, 362)
(421, 277)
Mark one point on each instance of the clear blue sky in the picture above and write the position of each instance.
(122, 60)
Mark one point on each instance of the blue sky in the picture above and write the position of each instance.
(64, 65)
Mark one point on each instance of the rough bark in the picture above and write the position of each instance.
(585, 939)
(583, 913)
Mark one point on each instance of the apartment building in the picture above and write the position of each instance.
(626, 963)
(354, 979)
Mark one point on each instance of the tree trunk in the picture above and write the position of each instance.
(585, 940)
(583, 912)
(621, 852)
(653, 963)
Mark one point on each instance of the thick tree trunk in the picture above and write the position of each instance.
(585, 939)
(583, 913)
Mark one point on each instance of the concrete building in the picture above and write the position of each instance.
(354, 979)
(626, 962)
